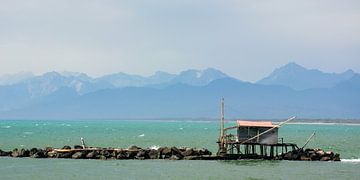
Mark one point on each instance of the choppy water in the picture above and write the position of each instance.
(341, 138)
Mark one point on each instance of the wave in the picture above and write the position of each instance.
(351, 160)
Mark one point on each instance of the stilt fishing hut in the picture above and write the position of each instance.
(253, 139)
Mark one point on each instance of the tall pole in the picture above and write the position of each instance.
(222, 125)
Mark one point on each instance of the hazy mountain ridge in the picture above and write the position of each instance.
(190, 94)
(299, 78)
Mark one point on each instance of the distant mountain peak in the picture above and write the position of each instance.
(298, 77)
(291, 67)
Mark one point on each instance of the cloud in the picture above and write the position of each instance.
(246, 39)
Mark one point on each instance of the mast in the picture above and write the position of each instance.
(222, 147)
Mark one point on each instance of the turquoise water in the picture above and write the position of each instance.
(340, 138)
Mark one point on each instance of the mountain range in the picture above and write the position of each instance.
(287, 91)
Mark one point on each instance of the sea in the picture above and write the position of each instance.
(341, 138)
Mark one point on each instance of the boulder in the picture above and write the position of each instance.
(325, 158)
(20, 153)
(204, 151)
(174, 157)
(51, 154)
(288, 156)
(33, 151)
(188, 152)
(314, 157)
(175, 150)
(133, 148)
(166, 150)
(131, 154)
(114, 154)
(102, 157)
(165, 153)
(78, 147)
(122, 155)
(320, 152)
(64, 155)
(153, 154)
(39, 154)
(105, 153)
(92, 155)
(305, 158)
(142, 154)
(336, 157)
(66, 147)
(48, 149)
(78, 155)
(329, 153)
(4, 153)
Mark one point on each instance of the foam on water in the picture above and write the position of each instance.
(351, 160)
(156, 147)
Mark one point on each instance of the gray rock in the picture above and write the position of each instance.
(133, 148)
(105, 153)
(64, 155)
(142, 154)
(153, 154)
(166, 151)
(122, 155)
(175, 151)
(188, 152)
(336, 157)
(33, 151)
(132, 154)
(78, 155)
(66, 147)
(20, 153)
(92, 155)
(78, 147)
(4, 153)
(102, 157)
(39, 154)
(48, 149)
(174, 157)
(325, 158)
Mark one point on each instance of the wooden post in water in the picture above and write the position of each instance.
(222, 134)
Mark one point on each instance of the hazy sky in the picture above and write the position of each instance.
(246, 39)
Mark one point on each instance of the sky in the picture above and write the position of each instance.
(246, 39)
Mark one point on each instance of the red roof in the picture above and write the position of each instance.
(255, 124)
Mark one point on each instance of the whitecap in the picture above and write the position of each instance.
(36, 124)
(351, 160)
(27, 132)
(63, 124)
(6, 127)
(181, 128)
(156, 147)
(141, 135)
